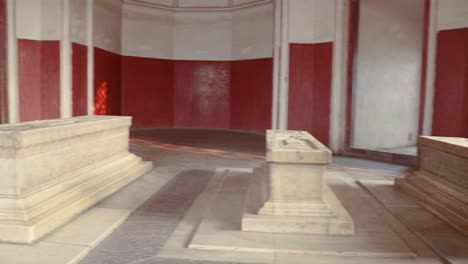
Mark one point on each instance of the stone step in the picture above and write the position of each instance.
(447, 207)
(35, 203)
(61, 209)
(317, 209)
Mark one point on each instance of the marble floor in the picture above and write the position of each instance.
(186, 160)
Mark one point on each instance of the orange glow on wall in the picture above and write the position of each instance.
(101, 98)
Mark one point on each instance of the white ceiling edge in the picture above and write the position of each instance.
(173, 8)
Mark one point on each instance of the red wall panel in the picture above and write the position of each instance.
(451, 84)
(156, 92)
(29, 74)
(310, 75)
(79, 68)
(107, 73)
(201, 94)
(251, 94)
(147, 91)
(39, 79)
(50, 79)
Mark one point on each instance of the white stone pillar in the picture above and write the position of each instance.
(276, 60)
(12, 62)
(284, 67)
(66, 99)
(281, 65)
(339, 71)
(430, 69)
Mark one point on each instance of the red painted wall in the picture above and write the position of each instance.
(29, 78)
(451, 84)
(310, 75)
(251, 94)
(3, 64)
(79, 68)
(147, 91)
(39, 79)
(50, 79)
(107, 72)
(156, 92)
(201, 94)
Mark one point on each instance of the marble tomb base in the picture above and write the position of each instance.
(53, 170)
(441, 183)
(289, 193)
(211, 230)
(73, 241)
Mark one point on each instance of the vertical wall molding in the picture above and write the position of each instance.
(12, 68)
(338, 93)
(283, 82)
(66, 100)
(352, 31)
(430, 69)
(276, 62)
(90, 56)
(280, 65)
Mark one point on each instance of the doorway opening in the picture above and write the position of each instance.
(385, 72)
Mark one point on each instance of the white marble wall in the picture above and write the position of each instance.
(198, 35)
(147, 32)
(252, 33)
(386, 89)
(452, 14)
(79, 22)
(38, 19)
(107, 20)
(202, 35)
(311, 21)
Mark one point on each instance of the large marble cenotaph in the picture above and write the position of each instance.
(289, 193)
(441, 183)
(53, 170)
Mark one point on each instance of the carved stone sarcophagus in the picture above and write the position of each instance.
(441, 183)
(52, 170)
(289, 193)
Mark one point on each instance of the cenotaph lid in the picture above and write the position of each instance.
(454, 145)
(39, 131)
(294, 146)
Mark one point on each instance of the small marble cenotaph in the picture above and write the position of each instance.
(289, 193)
(52, 170)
